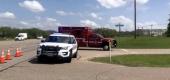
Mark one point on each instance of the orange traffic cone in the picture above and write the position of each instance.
(21, 52)
(17, 54)
(2, 57)
(8, 56)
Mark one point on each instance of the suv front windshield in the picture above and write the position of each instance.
(58, 39)
(20, 36)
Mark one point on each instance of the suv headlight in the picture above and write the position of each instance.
(39, 48)
(65, 48)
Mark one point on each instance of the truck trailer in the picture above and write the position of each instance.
(87, 38)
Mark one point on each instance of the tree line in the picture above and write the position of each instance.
(8, 32)
(106, 32)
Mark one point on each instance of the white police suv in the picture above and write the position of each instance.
(58, 46)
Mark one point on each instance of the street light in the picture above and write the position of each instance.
(135, 18)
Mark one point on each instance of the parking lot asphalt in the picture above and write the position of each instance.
(28, 68)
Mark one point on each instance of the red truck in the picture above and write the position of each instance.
(87, 38)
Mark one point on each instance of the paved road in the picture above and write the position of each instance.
(27, 47)
(82, 69)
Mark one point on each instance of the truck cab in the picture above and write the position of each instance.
(97, 40)
(87, 38)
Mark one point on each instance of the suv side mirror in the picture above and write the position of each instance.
(43, 40)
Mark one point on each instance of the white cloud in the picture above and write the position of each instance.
(7, 15)
(88, 23)
(37, 17)
(142, 1)
(153, 24)
(47, 23)
(119, 3)
(127, 22)
(121, 19)
(63, 13)
(24, 23)
(94, 15)
(112, 3)
(71, 13)
(146, 24)
(51, 20)
(33, 6)
(150, 23)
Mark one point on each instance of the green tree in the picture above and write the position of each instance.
(168, 30)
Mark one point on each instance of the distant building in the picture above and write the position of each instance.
(153, 32)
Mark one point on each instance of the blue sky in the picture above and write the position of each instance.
(48, 14)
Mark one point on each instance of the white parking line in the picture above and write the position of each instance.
(129, 52)
(124, 50)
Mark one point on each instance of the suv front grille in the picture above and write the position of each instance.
(51, 48)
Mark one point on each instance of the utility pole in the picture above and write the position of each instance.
(142, 31)
(151, 29)
(119, 25)
(135, 18)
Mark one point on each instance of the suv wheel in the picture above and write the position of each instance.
(40, 59)
(75, 55)
(68, 60)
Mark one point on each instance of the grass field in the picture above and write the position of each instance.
(138, 60)
(143, 42)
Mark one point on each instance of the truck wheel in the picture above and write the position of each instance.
(106, 48)
(114, 44)
(68, 60)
